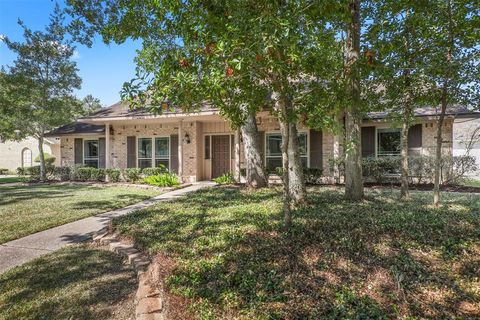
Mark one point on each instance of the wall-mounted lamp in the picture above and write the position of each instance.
(187, 138)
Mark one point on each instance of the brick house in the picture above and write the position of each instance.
(202, 145)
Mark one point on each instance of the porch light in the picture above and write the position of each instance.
(187, 138)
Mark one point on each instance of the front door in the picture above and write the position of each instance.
(220, 155)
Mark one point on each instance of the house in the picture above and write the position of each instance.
(15, 154)
(202, 145)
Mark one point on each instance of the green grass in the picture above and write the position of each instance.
(79, 282)
(471, 183)
(377, 259)
(12, 179)
(28, 209)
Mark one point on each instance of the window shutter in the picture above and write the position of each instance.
(131, 152)
(174, 153)
(101, 153)
(261, 143)
(368, 141)
(316, 155)
(415, 136)
(78, 150)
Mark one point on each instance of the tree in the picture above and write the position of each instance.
(276, 56)
(38, 89)
(90, 105)
(353, 111)
(396, 47)
(453, 63)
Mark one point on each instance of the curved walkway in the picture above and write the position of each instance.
(20, 251)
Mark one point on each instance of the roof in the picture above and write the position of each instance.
(122, 110)
(428, 112)
(76, 128)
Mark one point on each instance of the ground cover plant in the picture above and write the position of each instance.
(78, 282)
(31, 208)
(229, 258)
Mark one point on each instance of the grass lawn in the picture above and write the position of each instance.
(79, 282)
(28, 209)
(11, 179)
(226, 257)
(471, 183)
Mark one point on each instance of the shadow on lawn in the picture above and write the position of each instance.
(75, 283)
(370, 260)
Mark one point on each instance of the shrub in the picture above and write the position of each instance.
(226, 178)
(113, 174)
(166, 179)
(381, 168)
(3, 171)
(34, 172)
(49, 159)
(131, 174)
(146, 172)
(62, 173)
(97, 174)
(83, 173)
(312, 175)
(21, 171)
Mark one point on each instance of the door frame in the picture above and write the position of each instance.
(229, 134)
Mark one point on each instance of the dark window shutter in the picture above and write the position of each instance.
(415, 136)
(101, 152)
(261, 143)
(78, 150)
(174, 153)
(131, 152)
(368, 141)
(316, 154)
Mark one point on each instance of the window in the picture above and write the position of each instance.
(388, 142)
(145, 152)
(154, 152)
(274, 150)
(207, 147)
(90, 153)
(162, 152)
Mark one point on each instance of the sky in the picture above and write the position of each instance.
(103, 68)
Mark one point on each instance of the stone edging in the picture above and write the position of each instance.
(149, 301)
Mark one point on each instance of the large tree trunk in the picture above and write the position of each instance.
(43, 169)
(255, 169)
(295, 170)
(438, 150)
(353, 117)
(287, 208)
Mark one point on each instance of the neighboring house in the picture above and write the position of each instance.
(14, 154)
(202, 145)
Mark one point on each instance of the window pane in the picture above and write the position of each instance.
(144, 148)
(273, 163)
(388, 142)
(162, 148)
(274, 145)
(207, 147)
(164, 162)
(145, 163)
(302, 143)
(91, 163)
(91, 148)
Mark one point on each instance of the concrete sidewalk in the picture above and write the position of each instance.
(17, 252)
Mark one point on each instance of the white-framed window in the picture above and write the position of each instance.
(162, 152)
(90, 153)
(273, 150)
(388, 142)
(153, 152)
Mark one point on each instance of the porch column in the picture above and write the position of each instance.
(180, 150)
(107, 146)
(237, 155)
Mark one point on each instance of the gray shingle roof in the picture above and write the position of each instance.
(76, 128)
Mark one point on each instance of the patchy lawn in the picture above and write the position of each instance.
(28, 209)
(227, 257)
(4, 180)
(79, 282)
(471, 183)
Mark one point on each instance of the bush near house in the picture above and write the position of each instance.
(49, 159)
(131, 174)
(226, 178)
(3, 171)
(113, 174)
(165, 179)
